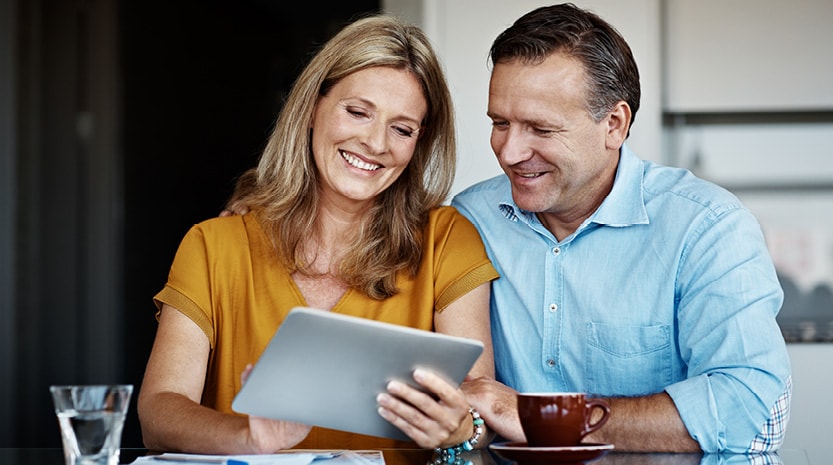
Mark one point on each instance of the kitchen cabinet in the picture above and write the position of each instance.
(748, 104)
(748, 55)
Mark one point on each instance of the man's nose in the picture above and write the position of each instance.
(511, 146)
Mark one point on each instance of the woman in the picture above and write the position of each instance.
(345, 216)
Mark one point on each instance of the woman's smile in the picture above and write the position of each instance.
(356, 162)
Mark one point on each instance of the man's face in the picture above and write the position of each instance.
(558, 159)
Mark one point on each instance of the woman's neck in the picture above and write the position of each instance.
(336, 225)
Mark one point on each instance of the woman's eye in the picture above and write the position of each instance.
(404, 131)
(357, 112)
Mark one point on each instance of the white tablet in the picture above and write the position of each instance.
(325, 369)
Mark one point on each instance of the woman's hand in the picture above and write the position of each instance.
(267, 436)
(438, 417)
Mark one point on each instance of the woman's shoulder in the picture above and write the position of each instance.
(233, 227)
(446, 218)
(221, 225)
(445, 214)
(226, 240)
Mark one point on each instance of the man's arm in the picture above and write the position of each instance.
(649, 423)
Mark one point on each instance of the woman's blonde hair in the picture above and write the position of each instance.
(286, 190)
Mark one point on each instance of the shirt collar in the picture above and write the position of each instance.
(624, 205)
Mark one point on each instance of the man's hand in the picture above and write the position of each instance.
(244, 186)
(497, 404)
(234, 208)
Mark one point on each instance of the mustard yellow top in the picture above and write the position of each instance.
(227, 279)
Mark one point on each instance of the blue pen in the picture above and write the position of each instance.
(190, 458)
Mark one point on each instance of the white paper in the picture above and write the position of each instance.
(306, 457)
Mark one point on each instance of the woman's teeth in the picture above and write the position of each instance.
(362, 165)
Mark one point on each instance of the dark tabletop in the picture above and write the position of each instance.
(33, 456)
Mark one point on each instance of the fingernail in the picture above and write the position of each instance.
(394, 386)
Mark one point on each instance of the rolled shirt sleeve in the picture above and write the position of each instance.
(737, 362)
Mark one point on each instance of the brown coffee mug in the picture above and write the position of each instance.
(559, 419)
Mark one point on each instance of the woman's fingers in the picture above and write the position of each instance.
(432, 416)
(246, 371)
(410, 420)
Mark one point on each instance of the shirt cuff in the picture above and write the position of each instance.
(697, 407)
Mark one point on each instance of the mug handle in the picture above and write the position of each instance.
(592, 404)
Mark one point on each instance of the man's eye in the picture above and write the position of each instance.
(500, 124)
(546, 132)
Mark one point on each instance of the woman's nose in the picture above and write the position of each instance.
(375, 137)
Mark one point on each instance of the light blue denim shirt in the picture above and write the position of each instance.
(667, 286)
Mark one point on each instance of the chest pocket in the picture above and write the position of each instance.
(627, 360)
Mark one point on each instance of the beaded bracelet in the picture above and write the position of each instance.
(452, 455)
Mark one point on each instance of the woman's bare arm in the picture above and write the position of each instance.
(169, 407)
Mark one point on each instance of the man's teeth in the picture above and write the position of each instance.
(529, 175)
(362, 165)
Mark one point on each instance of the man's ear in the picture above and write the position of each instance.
(618, 123)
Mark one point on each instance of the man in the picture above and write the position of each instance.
(620, 278)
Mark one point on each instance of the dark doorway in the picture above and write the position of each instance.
(203, 82)
(132, 120)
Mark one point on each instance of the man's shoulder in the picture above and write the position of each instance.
(683, 185)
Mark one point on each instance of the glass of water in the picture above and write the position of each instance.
(91, 419)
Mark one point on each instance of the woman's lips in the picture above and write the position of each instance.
(356, 162)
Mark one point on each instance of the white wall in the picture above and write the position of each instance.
(812, 404)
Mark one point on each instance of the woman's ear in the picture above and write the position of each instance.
(618, 124)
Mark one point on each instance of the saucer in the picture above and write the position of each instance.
(525, 455)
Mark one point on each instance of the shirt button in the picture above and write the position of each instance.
(553, 308)
(551, 363)
(556, 250)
